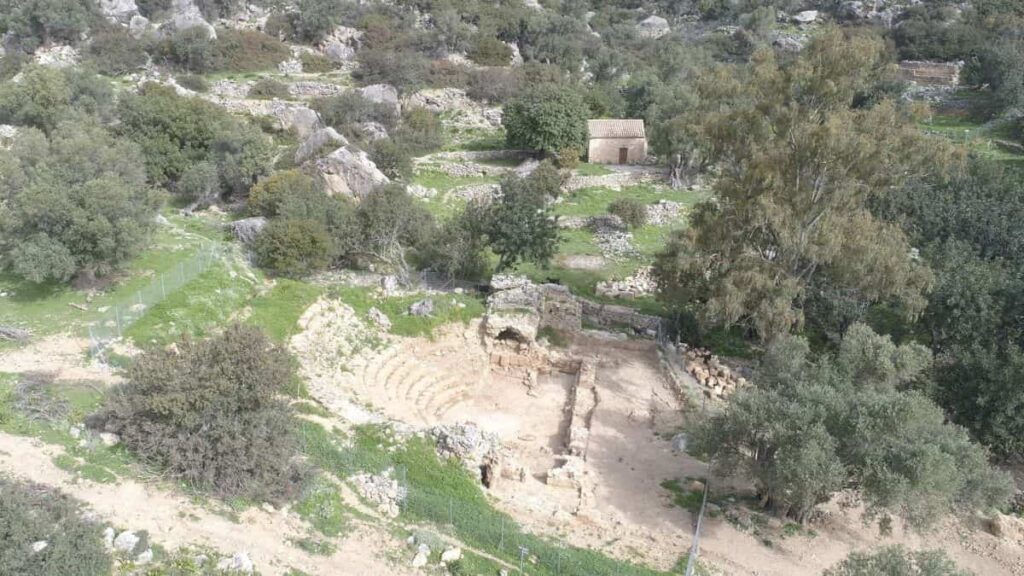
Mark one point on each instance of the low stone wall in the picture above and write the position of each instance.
(715, 378)
(931, 73)
(582, 403)
(560, 309)
(612, 316)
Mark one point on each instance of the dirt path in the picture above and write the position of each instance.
(173, 520)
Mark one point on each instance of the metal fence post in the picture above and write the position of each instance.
(451, 512)
(522, 556)
(117, 319)
(501, 543)
(691, 562)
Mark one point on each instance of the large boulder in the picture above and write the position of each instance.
(56, 56)
(317, 141)
(381, 94)
(302, 119)
(247, 229)
(350, 172)
(653, 27)
(185, 15)
(806, 17)
(342, 44)
(119, 10)
(139, 26)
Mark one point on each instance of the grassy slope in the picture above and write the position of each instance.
(443, 494)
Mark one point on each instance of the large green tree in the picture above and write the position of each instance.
(798, 152)
(74, 204)
(548, 119)
(813, 426)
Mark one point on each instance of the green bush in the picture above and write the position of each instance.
(897, 561)
(404, 69)
(392, 158)
(345, 111)
(268, 88)
(420, 132)
(632, 212)
(267, 196)
(293, 247)
(248, 51)
(115, 52)
(208, 413)
(31, 513)
(32, 23)
(489, 51)
(316, 64)
(547, 119)
(193, 82)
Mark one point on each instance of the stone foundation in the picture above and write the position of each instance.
(931, 73)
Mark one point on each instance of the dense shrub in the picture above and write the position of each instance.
(76, 204)
(568, 158)
(208, 413)
(392, 158)
(494, 85)
(177, 132)
(489, 51)
(114, 52)
(316, 64)
(348, 109)
(267, 197)
(45, 96)
(193, 82)
(248, 51)
(406, 70)
(31, 513)
(154, 9)
(32, 23)
(268, 88)
(897, 561)
(548, 119)
(317, 18)
(232, 51)
(201, 182)
(632, 211)
(293, 247)
(421, 131)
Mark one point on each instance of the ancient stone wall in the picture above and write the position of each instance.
(612, 316)
(931, 73)
(582, 403)
(560, 309)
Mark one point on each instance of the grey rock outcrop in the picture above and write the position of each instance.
(185, 15)
(381, 94)
(247, 229)
(342, 44)
(302, 119)
(350, 172)
(653, 27)
(317, 141)
(119, 10)
(423, 307)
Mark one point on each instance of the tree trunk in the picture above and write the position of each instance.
(675, 175)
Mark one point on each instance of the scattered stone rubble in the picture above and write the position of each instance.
(717, 380)
(663, 212)
(382, 490)
(615, 243)
(459, 110)
(642, 283)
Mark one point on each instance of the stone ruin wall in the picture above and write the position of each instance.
(931, 73)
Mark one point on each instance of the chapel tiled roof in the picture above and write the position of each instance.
(616, 128)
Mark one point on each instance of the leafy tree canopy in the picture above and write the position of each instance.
(75, 204)
(547, 119)
(799, 154)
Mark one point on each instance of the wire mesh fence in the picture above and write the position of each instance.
(480, 526)
(114, 321)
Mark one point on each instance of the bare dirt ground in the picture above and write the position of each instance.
(63, 355)
(172, 520)
(627, 514)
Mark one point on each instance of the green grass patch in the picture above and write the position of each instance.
(197, 308)
(278, 310)
(448, 308)
(983, 139)
(588, 169)
(93, 461)
(46, 309)
(683, 497)
(595, 201)
(442, 493)
(443, 182)
(322, 507)
(555, 337)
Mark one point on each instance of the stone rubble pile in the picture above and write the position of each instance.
(615, 243)
(475, 192)
(663, 212)
(642, 283)
(382, 490)
(716, 378)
